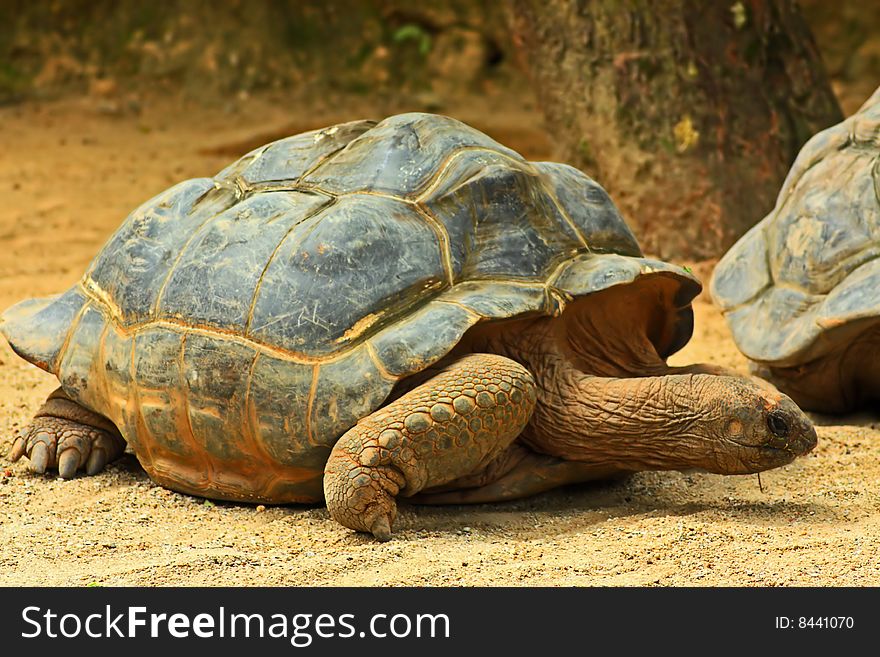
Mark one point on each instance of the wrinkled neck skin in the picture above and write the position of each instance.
(596, 405)
(644, 423)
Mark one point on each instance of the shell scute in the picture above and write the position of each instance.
(37, 329)
(226, 257)
(278, 394)
(132, 268)
(590, 209)
(287, 159)
(156, 422)
(422, 338)
(340, 399)
(215, 388)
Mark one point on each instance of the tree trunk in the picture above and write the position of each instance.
(689, 112)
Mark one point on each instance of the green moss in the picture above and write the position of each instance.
(412, 32)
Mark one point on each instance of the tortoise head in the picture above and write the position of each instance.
(752, 426)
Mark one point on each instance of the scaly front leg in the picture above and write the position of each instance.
(450, 426)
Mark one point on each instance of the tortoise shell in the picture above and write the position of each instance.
(807, 277)
(234, 327)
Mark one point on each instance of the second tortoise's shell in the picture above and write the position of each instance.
(807, 278)
(234, 327)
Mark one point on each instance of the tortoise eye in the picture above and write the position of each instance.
(778, 424)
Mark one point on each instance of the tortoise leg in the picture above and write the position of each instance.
(69, 437)
(452, 425)
(518, 472)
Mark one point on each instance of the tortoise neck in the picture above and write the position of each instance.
(624, 423)
(597, 410)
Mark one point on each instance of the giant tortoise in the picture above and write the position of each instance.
(385, 309)
(801, 290)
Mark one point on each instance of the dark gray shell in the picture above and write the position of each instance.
(808, 275)
(235, 326)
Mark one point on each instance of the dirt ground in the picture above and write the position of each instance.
(70, 171)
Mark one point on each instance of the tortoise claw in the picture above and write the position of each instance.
(68, 462)
(39, 458)
(97, 461)
(17, 450)
(381, 528)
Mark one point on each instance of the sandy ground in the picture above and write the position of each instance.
(70, 173)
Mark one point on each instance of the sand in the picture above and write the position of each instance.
(71, 170)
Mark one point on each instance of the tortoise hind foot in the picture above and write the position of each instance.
(67, 437)
(57, 443)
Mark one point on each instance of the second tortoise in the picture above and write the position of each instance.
(801, 290)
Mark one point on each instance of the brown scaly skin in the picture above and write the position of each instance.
(69, 437)
(696, 417)
(456, 423)
(608, 404)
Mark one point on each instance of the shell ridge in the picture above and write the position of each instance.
(434, 181)
(329, 156)
(140, 425)
(443, 242)
(249, 415)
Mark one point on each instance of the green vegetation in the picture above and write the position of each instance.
(411, 32)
